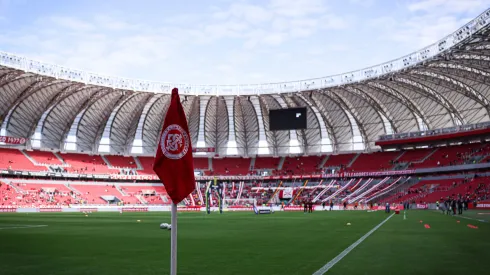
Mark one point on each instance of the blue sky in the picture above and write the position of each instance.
(223, 41)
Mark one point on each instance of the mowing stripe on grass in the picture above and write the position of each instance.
(339, 257)
(23, 226)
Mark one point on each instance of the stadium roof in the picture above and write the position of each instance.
(443, 85)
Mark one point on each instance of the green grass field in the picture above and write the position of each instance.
(242, 243)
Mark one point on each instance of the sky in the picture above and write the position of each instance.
(226, 41)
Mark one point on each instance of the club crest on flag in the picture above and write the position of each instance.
(174, 142)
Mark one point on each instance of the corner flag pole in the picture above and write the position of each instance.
(173, 241)
(174, 164)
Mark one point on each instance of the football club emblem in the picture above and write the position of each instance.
(175, 142)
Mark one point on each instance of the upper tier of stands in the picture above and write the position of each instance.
(14, 159)
(44, 158)
(86, 164)
(378, 161)
(121, 162)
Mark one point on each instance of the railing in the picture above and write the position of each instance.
(436, 132)
(60, 72)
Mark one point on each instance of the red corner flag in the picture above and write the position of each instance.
(173, 161)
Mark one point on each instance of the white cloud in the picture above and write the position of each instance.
(298, 8)
(234, 41)
(71, 23)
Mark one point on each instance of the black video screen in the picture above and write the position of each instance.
(287, 119)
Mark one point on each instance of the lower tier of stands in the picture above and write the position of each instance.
(398, 189)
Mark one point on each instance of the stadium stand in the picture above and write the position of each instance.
(44, 158)
(121, 162)
(86, 164)
(231, 166)
(302, 165)
(378, 161)
(13, 159)
(266, 163)
(341, 160)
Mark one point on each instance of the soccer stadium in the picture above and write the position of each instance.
(383, 170)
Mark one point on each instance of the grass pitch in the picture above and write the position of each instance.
(242, 243)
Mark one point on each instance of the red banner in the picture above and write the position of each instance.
(344, 174)
(12, 140)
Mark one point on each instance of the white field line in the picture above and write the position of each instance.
(22, 226)
(459, 216)
(344, 253)
(468, 218)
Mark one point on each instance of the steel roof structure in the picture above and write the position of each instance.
(443, 85)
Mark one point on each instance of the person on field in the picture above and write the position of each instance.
(310, 207)
(453, 206)
(331, 205)
(345, 205)
(460, 206)
(447, 203)
(305, 206)
(443, 207)
(323, 205)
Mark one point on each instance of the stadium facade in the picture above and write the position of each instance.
(443, 85)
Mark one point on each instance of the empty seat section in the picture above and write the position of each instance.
(339, 160)
(415, 155)
(121, 162)
(231, 166)
(302, 165)
(85, 164)
(378, 161)
(43, 157)
(147, 163)
(445, 156)
(92, 193)
(15, 160)
(201, 163)
(266, 163)
(454, 187)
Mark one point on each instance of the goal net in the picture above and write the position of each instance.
(239, 203)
